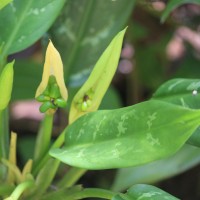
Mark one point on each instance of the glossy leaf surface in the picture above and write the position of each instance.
(144, 192)
(26, 22)
(84, 30)
(184, 159)
(184, 92)
(173, 4)
(126, 137)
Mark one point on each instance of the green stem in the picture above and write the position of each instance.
(4, 140)
(4, 133)
(71, 177)
(19, 190)
(12, 167)
(44, 179)
(59, 141)
(44, 137)
(92, 193)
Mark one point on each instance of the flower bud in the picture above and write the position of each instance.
(52, 91)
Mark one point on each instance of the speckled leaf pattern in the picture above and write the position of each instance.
(24, 22)
(184, 92)
(144, 192)
(173, 4)
(128, 136)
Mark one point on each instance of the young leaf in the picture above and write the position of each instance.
(89, 97)
(6, 83)
(127, 137)
(52, 76)
(173, 4)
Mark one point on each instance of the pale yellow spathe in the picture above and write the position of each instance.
(52, 66)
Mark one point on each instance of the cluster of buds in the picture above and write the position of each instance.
(52, 91)
(51, 97)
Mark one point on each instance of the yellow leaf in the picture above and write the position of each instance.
(89, 97)
(52, 66)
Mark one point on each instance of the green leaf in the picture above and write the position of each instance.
(144, 192)
(126, 137)
(84, 30)
(195, 138)
(26, 22)
(89, 97)
(6, 85)
(184, 159)
(147, 192)
(3, 3)
(111, 99)
(173, 4)
(182, 92)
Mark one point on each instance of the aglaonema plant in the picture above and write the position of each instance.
(38, 173)
(97, 139)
